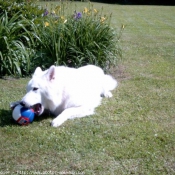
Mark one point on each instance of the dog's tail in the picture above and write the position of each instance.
(109, 84)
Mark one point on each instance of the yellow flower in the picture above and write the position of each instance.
(57, 8)
(95, 11)
(102, 19)
(46, 24)
(62, 18)
(85, 10)
(53, 11)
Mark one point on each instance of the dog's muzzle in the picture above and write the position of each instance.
(36, 107)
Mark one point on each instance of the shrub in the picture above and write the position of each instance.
(35, 36)
(27, 8)
(16, 38)
(78, 39)
(15, 42)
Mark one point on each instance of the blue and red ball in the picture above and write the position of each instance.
(23, 115)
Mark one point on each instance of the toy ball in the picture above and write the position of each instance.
(23, 115)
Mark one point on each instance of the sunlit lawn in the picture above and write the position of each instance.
(132, 133)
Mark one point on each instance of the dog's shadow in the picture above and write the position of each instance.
(6, 118)
(46, 114)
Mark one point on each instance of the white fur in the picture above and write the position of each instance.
(68, 92)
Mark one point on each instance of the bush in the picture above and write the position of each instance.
(35, 36)
(16, 37)
(78, 39)
(15, 42)
(28, 9)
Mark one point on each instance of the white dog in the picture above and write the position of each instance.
(68, 92)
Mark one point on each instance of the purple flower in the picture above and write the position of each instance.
(78, 15)
(46, 12)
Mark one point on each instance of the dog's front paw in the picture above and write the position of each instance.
(107, 94)
(56, 122)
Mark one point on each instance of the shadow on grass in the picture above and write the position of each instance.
(6, 118)
(44, 116)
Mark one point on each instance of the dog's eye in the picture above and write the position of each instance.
(34, 89)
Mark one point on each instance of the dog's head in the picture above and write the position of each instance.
(38, 90)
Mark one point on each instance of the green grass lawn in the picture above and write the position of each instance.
(131, 133)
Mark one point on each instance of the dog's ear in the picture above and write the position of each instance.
(51, 73)
(38, 71)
